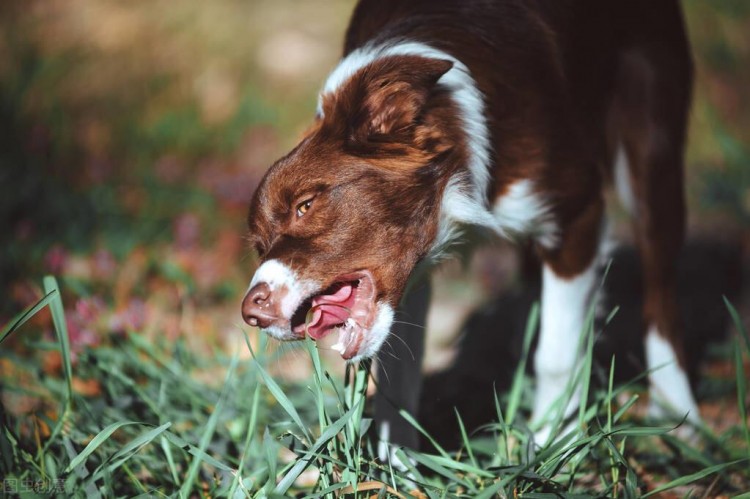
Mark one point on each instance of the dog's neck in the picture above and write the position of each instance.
(464, 189)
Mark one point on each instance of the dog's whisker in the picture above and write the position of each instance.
(382, 369)
(411, 353)
(413, 324)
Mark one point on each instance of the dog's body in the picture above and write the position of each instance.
(510, 116)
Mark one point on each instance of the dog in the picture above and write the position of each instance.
(510, 117)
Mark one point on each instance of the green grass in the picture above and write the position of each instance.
(156, 430)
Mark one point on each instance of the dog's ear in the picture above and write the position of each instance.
(385, 101)
(396, 95)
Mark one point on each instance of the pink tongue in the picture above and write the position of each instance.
(329, 310)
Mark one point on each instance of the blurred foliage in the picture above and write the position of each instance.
(136, 132)
(132, 135)
(147, 123)
(718, 155)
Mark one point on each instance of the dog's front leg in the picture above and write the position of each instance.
(568, 278)
(399, 372)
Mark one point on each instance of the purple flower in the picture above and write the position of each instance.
(55, 259)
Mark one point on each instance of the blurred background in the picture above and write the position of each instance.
(132, 135)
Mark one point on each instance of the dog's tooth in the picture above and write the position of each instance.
(339, 345)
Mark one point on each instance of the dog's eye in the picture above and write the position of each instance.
(303, 207)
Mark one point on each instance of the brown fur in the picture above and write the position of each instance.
(563, 82)
(375, 165)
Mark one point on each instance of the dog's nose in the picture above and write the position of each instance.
(259, 307)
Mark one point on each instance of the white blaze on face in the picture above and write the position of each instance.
(285, 283)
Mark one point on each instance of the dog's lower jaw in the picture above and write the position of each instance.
(374, 338)
(353, 349)
(280, 333)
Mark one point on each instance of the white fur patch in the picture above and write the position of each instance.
(384, 439)
(623, 185)
(521, 211)
(374, 338)
(459, 207)
(464, 200)
(387, 451)
(669, 391)
(279, 333)
(279, 276)
(563, 316)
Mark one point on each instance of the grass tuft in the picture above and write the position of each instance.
(154, 429)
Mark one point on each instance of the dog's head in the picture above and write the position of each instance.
(340, 222)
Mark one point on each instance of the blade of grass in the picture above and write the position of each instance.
(165, 447)
(503, 429)
(61, 329)
(738, 323)
(587, 364)
(194, 451)
(421, 430)
(270, 447)
(459, 466)
(127, 452)
(490, 491)
(465, 439)
(323, 420)
(192, 473)
(170, 459)
(431, 463)
(95, 443)
(625, 407)
(279, 395)
(684, 480)
(740, 374)
(304, 461)
(20, 319)
(413, 474)
(741, 378)
(328, 490)
(514, 399)
(248, 440)
(614, 470)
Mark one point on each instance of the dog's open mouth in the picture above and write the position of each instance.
(348, 306)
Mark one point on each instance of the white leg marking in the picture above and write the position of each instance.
(669, 391)
(384, 438)
(623, 186)
(387, 452)
(564, 306)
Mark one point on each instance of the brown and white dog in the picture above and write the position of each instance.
(509, 116)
